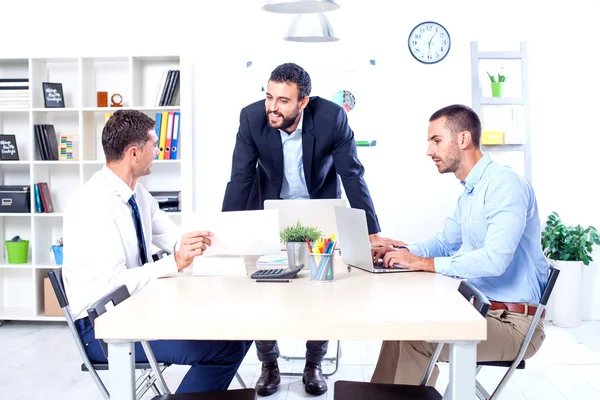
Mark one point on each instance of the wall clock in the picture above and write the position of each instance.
(429, 42)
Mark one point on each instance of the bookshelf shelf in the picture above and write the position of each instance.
(138, 79)
(509, 115)
(14, 110)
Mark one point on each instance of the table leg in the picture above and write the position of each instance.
(121, 366)
(463, 364)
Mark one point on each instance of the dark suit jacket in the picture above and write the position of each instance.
(328, 150)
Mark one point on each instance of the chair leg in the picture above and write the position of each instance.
(98, 382)
(482, 394)
(143, 383)
(155, 368)
(503, 382)
(240, 380)
(155, 389)
(446, 392)
(335, 359)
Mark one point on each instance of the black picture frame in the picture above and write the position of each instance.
(53, 95)
(8, 148)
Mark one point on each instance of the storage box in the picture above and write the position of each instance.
(492, 137)
(15, 199)
(51, 306)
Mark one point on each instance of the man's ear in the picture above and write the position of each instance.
(464, 139)
(132, 151)
(304, 102)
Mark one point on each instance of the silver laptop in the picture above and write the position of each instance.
(313, 212)
(354, 237)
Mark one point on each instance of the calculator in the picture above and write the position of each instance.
(277, 273)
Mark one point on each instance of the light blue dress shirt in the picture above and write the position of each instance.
(294, 181)
(497, 224)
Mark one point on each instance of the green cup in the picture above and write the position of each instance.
(17, 252)
(497, 89)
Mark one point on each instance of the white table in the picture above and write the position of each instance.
(357, 306)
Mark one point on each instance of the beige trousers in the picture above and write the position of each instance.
(406, 362)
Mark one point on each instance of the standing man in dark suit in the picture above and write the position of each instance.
(291, 146)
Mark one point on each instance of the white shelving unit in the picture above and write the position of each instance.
(509, 113)
(137, 79)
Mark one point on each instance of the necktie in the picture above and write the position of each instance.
(137, 221)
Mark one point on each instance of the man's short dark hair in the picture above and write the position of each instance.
(123, 129)
(460, 118)
(292, 73)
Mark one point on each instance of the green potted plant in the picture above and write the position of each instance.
(497, 83)
(570, 248)
(294, 236)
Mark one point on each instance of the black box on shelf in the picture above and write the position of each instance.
(168, 201)
(15, 199)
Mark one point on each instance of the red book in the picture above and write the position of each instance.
(45, 197)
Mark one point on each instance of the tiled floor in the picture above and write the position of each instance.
(39, 361)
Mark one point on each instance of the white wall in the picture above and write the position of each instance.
(411, 198)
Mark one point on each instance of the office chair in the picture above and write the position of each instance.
(349, 390)
(144, 382)
(518, 362)
(118, 295)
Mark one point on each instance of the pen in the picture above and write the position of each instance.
(274, 280)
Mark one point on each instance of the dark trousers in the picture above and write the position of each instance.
(213, 363)
(269, 352)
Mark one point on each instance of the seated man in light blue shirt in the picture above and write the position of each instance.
(497, 226)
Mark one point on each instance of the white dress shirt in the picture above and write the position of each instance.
(294, 181)
(100, 241)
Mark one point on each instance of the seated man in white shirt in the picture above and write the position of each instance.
(108, 227)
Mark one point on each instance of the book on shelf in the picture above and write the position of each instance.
(43, 200)
(168, 89)
(167, 128)
(47, 143)
(14, 93)
(8, 148)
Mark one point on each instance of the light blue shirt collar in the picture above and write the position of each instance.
(477, 172)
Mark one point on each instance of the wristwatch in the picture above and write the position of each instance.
(401, 247)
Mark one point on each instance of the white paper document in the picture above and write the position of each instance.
(239, 232)
(219, 266)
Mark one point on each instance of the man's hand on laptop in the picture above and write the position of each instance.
(403, 257)
(380, 241)
(192, 244)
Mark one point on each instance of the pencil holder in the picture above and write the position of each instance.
(321, 267)
(58, 254)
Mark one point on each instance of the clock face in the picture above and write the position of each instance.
(429, 42)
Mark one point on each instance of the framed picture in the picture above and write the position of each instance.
(8, 148)
(53, 95)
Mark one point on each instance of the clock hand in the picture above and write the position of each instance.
(429, 43)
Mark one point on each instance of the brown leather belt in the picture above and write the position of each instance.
(520, 308)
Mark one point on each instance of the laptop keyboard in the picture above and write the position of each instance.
(379, 265)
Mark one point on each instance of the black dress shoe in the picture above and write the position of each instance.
(313, 380)
(269, 379)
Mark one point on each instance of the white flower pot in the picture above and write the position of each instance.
(567, 296)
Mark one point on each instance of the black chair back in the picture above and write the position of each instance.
(56, 280)
(158, 255)
(552, 277)
(475, 297)
(98, 308)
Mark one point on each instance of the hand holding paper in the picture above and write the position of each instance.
(192, 244)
